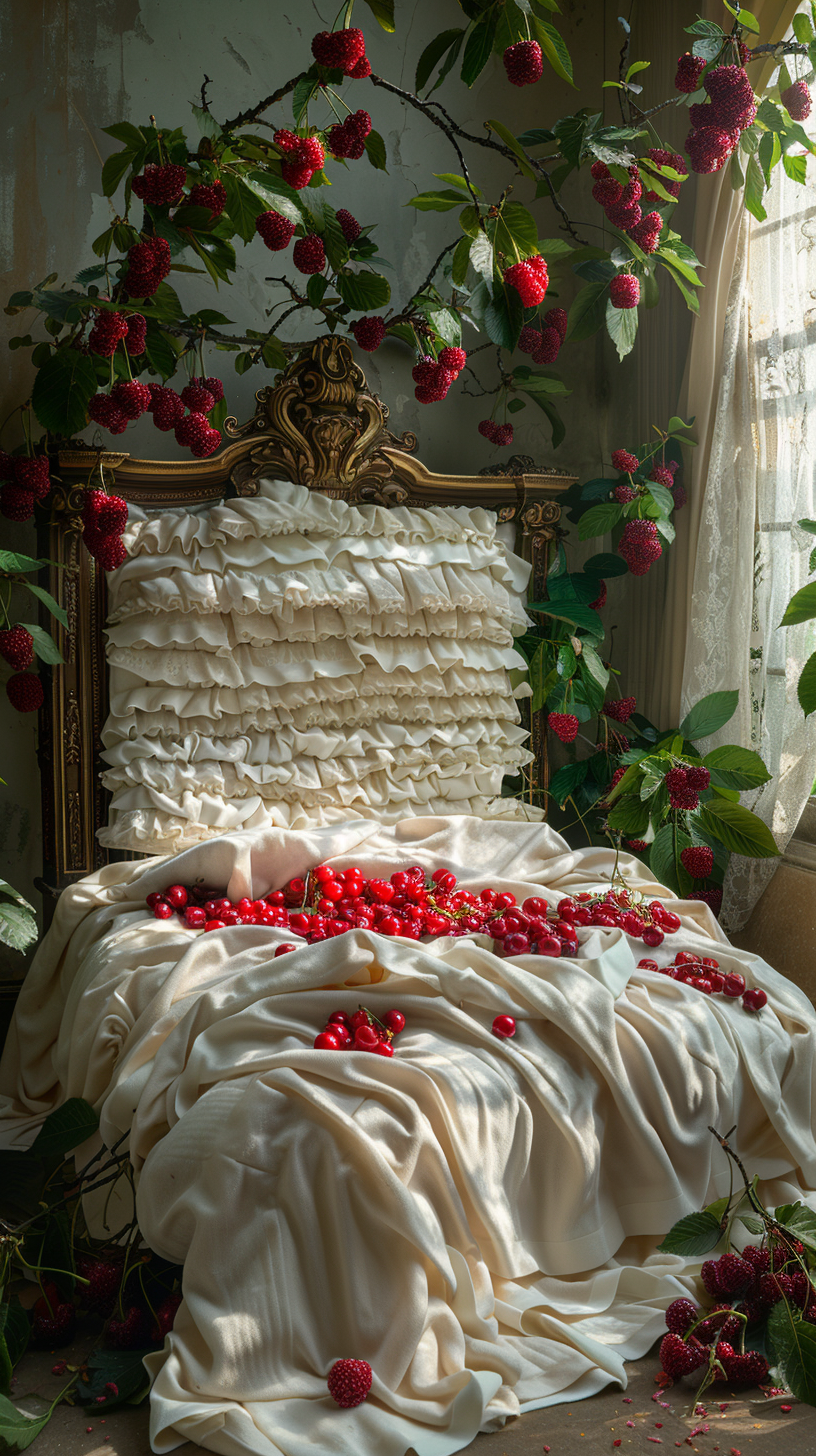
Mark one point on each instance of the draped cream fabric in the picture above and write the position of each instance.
(475, 1218)
(293, 660)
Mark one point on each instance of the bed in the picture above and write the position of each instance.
(475, 1217)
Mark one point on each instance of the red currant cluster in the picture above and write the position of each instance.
(25, 480)
(99, 1289)
(361, 1031)
(716, 126)
(530, 279)
(342, 50)
(434, 377)
(104, 518)
(704, 973)
(129, 399)
(621, 203)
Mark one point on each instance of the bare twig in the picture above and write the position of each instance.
(253, 112)
(205, 105)
(426, 283)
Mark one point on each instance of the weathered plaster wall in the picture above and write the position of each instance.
(73, 68)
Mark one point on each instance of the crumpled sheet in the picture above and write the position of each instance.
(476, 1218)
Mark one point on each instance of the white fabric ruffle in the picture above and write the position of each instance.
(285, 659)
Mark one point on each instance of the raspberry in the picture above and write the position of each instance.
(361, 70)
(624, 462)
(720, 1325)
(677, 1358)
(528, 339)
(708, 149)
(623, 494)
(637, 846)
(349, 1382)
(617, 776)
(733, 1274)
(689, 70)
(724, 83)
(309, 254)
(106, 514)
(160, 186)
(165, 406)
(711, 898)
(698, 859)
(599, 170)
(31, 473)
(524, 63)
(680, 1315)
(195, 432)
(349, 225)
(197, 399)
(624, 291)
(698, 776)
(600, 600)
(620, 709)
(286, 141)
(25, 692)
(529, 280)
(424, 370)
(564, 726)
(103, 410)
(369, 332)
(108, 550)
(214, 386)
(680, 496)
(312, 153)
(556, 318)
(748, 1369)
(646, 233)
(130, 1333)
(131, 398)
(453, 359)
(165, 1317)
(759, 1259)
(681, 796)
(624, 216)
(16, 504)
(607, 191)
(344, 143)
(633, 190)
(136, 333)
(212, 195)
(548, 347)
(796, 100)
(296, 174)
(104, 1278)
(639, 546)
(17, 647)
(773, 1287)
(488, 429)
(275, 230)
(339, 50)
(148, 265)
(662, 476)
(108, 331)
(504, 435)
(53, 1324)
(437, 386)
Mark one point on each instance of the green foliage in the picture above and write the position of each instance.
(18, 925)
(692, 1236)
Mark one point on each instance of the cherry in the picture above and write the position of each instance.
(326, 1041)
(365, 1039)
(566, 909)
(647, 965)
(358, 1019)
(734, 985)
(176, 896)
(389, 925)
(754, 998)
(342, 1017)
(214, 925)
(599, 918)
(534, 905)
(275, 897)
(499, 928)
(163, 911)
(684, 957)
(703, 984)
(384, 1048)
(581, 916)
(488, 897)
(323, 873)
(284, 949)
(243, 906)
(505, 900)
(333, 891)
(230, 917)
(300, 922)
(504, 1026)
(549, 946)
(516, 944)
(194, 917)
(717, 981)
(670, 921)
(632, 924)
(342, 1033)
(381, 890)
(652, 936)
(436, 924)
(395, 1021)
(153, 898)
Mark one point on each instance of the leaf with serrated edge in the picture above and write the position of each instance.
(692, 1236)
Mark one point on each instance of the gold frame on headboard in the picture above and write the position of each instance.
(320, 425)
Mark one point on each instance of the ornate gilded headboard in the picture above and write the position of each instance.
(319, 425)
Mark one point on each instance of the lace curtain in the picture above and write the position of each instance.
(752, 555)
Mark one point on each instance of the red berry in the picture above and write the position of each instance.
(349, 1382)
(503, 435)
(131, 398)
(212, 195)
(548, 346)
(162, 910)
(195, 432)
(504, 1026)
(734, 985)
(754, 998)
(31, 473)
(365, 1039)
(709, 148)
(148, 265)
(646, 233)
(275, 230)
(689, 70)
(326, 1041)
(564, 726)
(677, 1358)
(165, 1317)
(698, 776)
(160, 186)
(529, 280)
(698, 859)
(488, 429)
(136, 336)
(132, 1332)
(104, 1278)
(53, 1323)
(194, 917)
(556, 318)
(17, 648)
(108, 330)
(25, 692)
(395, 1021)
(640, 546)
(369, 332)
(285, 948)
(796, 100)
(652, 936)
(624, 291)
(349, 225)
(309, 254)
(620, 709)
(16, 504)
(108, 550)
(523, 63)
(516, 944)
(339, 50)
(624, 462)
(680, 1315)
(176, 896)
(453, 359)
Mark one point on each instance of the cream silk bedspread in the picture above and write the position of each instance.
(475, 1218)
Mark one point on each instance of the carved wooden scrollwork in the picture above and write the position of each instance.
(321, 426)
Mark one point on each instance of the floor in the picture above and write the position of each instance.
(636, 1421)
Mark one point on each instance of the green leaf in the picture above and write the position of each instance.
(18, 928)
(736, 768)
(573, 586)
(738, 829)
(16, 561)
(115, 168)
(65, 1129)
(62, 390)
(630, 816)
(802, 28)
(806, 690)
(745, 18)
(588, 312)
(796, 168)
(478, 48)
(48, 601)
(518, 152)
(481, 254)
(794, 1345)
(554, 48)
(541, 679)
(44, 646)
(709, 715)
(460, 260)
(443, 201)
(755, 189)
(383, 12)
(432, 54)
(504, 317)
(594, 666)
(15, 1328)
(362, 291)
(567, 779)
(515, 228)
(599, 520)
(576, 613)
(122, 1368)
(17, 1431)
(665, 863)
(160, 350)
(130, 136)
(621, 325)
(276, 194)
(375, 151)
(605, 564)
(696, 1234)
(801, 607)
(243, 205)
(559, 429)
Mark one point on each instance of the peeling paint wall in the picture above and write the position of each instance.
(75, 67)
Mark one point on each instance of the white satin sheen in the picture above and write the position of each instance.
(292, 612)
(476, 1218)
